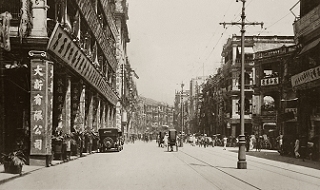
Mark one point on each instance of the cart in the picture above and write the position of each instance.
(172, 140)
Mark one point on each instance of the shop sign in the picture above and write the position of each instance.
(41, 107)
(64, 47)
(307, 23)
(5, 31)
(270, 81)
(305, 76)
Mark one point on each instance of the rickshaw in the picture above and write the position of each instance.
(172, 139)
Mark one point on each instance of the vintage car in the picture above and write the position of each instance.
(110, 139)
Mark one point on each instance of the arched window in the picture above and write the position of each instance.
(268, 103)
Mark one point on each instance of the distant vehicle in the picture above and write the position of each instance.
(110, 138)
(172, 139)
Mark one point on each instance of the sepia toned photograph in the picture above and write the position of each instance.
(160, 94)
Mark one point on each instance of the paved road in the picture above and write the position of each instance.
(145, 166)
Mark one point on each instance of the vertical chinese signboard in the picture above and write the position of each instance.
(41, 106)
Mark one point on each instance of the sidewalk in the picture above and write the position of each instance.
(275, 156)
(27, 169)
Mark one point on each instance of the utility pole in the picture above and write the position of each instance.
(182, 115)
(242, 163)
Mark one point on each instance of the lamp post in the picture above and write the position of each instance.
(242, 163)
(182, 115)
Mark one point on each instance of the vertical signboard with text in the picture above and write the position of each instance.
(41, 106)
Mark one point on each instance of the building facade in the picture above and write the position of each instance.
(58, 67)
(222, 91)
(305, 80)
(274, 105)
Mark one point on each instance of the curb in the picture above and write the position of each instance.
(41, 167)
(19, 175)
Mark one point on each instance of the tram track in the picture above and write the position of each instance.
(217, 169)
(284, 172)
(263, 163)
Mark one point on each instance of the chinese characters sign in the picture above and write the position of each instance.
(41, 106)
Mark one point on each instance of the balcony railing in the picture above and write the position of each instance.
(308, 23)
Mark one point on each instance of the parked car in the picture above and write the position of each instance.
(110, 138)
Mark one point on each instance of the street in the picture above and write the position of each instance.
(146, 166)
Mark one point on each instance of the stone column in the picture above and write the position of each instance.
(234, 53)
(108, 116)
(39, 22)
(98, 118)
(82, 109)
(41, 108)
(103, 115)
(66, 113)
(76, 117)
(90, 114)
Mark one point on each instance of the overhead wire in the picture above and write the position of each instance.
(214, 33)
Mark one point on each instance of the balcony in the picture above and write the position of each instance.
(308, 23)
(247, 63)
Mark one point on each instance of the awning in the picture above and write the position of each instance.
(247, 50)
(309, 46)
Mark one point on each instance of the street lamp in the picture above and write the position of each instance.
(182, 115)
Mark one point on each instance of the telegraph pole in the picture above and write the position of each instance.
(242, 163)
(182, 115)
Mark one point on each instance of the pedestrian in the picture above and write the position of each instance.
(165, 140)
(296, 148)
(225, 140)
(247, 142)
(303, 143)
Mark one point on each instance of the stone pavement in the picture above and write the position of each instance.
(27, 169)
(275, 156)
(271, 155)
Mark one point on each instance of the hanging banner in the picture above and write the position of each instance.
(5, 31)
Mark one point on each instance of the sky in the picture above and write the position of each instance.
(173, 41)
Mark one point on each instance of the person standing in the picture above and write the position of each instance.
(225, 140)
(296, 148)
(247, 142)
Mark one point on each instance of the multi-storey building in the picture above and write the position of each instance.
(230, 77)
(194, 99)
(274, 104)
(59, 64)
(158, 115)
(306, 79)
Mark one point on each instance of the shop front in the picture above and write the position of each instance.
(308, 122)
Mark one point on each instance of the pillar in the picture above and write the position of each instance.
(39, 22)
(234, 53)
(103, 115)
(90, 113)
(41, 108)
(98, 115)
(82, 108)
(108, 123)
(66, 113)
(77, 119)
